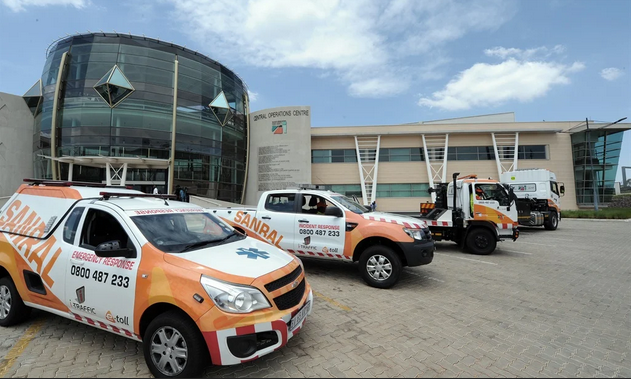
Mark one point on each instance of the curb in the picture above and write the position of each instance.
(597, 219)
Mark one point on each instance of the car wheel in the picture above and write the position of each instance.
(480, 241)
(12, 309)
(551, 221)
(380, 266)
(174, 347)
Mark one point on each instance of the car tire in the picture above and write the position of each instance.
(380, 266)
(12, 308)
(551, 221)
(480, 241)
(175, 333)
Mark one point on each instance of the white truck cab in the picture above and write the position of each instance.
(327, 225)
(166, 273)
(538, 196)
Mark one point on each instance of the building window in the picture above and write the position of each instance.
(402, 190)
(532, 152)
(334, 156)
(486, 153)
(346, 189)
(408, 154)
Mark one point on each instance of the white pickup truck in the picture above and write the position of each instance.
(327, 225)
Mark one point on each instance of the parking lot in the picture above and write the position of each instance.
(552, 304)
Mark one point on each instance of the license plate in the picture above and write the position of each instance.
(299, 317)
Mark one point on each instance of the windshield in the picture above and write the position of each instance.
(177, 233)
(350, 204)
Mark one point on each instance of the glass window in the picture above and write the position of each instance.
(493, 191)
(402, 190)
(176, 233)
(100, 227)
(280, 202)
(70, 227)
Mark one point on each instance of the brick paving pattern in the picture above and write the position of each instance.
(552, 304)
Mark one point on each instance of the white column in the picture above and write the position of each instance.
(122, 182)
(515, 151)
(108, 174)
(360, 172)
(70, 172)
(444, 159)
(374, 181)
(429, 175)
(497, 156)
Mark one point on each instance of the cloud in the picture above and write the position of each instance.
(538, 52)
(365, 44)
(253, 96)
(490, 85)
(611, 73)
(21, 5)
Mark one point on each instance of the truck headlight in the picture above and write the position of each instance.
(234, 298)
(417, 234)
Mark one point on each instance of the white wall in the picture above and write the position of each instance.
(278, 161)
(16, 143)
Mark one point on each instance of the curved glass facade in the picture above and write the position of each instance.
(210, 152)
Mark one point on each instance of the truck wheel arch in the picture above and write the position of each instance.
(155, 310)
(4, 272)
(370, 241)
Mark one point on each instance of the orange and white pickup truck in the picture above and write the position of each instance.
(167, 273)
(327, 225)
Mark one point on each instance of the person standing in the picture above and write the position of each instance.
(155, 190)
(373, 206)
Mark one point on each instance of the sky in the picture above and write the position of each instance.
(370, 62)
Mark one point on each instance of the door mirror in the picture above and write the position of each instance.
(333, 211)
(112, 249)
(562, 190)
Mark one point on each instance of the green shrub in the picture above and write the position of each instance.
(620, 201)
(605, 213)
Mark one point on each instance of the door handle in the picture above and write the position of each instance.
(266, 217)
(77, 262)
(305, 221)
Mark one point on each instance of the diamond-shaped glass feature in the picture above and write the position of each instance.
(113, 87)
(220, 108)
(33, 97)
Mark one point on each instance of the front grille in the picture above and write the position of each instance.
(292, 298)
(285, 280)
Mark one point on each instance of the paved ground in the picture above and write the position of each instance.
(552, 304)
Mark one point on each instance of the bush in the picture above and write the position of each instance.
(620, 201)
(605, 213)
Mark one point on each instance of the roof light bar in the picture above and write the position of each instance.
(108, 195)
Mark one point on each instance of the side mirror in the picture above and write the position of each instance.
(112, 249)
(562, 190)
(333, 211)
(368, 207)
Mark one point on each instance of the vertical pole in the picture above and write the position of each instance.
(246, 107)
(590, 152)
(70, 172)
(171, 166)
(54, 116)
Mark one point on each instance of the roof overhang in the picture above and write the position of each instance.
(100, 161)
